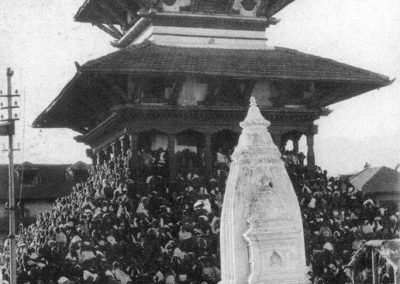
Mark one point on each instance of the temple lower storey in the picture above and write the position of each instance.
(139, 127)
(153, 86)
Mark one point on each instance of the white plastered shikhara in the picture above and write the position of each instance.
(261, 227)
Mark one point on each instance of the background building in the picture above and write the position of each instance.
(41, 185)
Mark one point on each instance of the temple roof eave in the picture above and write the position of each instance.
(99, 11)
(151, 60)
(271, 63)
(233, 75)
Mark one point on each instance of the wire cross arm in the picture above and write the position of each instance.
(9, 119)
(9, 96)
(8, 107)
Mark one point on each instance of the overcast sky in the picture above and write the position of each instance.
(40, 40)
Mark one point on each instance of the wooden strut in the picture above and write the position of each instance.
(107, 18)
(131, 85)
(104, 107)
(123, 22)
(108, 30)
(114, 29)
(98, 112)
(108, 23)
(123, 5)
(230, 7)
(263, 8)
(114, 87)
(78, 122)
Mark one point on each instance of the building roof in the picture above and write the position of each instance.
(275, 63)
(84, 103)
(115, 11)
(376, 180)
(102, 11)
(53, 182)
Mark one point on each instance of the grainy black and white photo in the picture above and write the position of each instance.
(199, 142)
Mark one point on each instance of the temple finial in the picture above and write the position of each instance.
(253, 102)
(254, 116)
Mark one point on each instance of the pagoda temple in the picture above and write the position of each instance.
(182, 76)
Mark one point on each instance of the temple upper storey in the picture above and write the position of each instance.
(184, 22)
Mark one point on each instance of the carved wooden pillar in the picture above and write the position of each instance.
(123, 145)
(117, 149)
(94, 160)
(114, 153)
(99, 157)
(310, 150)
(113, 150)
(107, 153)
(133, 145)
(207, 154)
(296, 144)
(90, 154)
(171, 155)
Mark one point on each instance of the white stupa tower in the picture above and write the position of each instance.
(261, 228)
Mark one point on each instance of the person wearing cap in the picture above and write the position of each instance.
(166, 232)
(377, 227)
(119, 274)
(170, 279)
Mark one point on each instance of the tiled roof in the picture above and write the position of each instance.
(374, 180)
(83, 104)
(277, 63)
(53, 182)
(94, 11)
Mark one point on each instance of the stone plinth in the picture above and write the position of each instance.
(261, 227)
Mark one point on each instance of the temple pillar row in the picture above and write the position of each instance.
(130, 141)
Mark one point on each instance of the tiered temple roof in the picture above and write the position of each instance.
(192, 65)
(75, 104)
(117, 16)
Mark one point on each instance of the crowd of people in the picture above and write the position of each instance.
(114, 228)
(337, 221)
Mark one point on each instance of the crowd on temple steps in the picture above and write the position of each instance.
(114, 228)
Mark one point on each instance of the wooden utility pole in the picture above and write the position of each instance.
(7, 128)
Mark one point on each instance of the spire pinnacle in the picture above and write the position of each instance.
(254, 116)
(253, 102)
